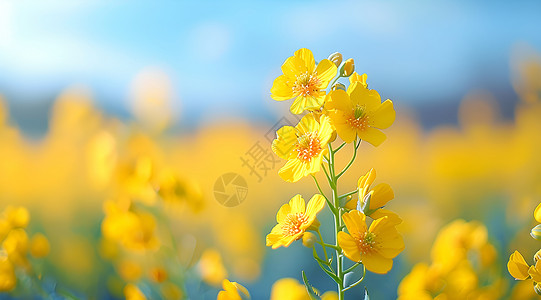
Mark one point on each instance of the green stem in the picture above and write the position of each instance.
(323, 245)
(328, 245)
(331, 206)
(337, 223)
(352, 159)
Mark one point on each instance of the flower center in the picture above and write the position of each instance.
(367, 242)
(306, 84)
(292, 224)
(308, 146)
(359, 119)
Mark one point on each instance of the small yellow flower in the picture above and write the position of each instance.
(304, 81)
(39, 246)
(211, 267)
(360, 113)
(289, 289)
(132, 292)
(308, 239)
(347, 68)
(293, 220)
(8, 280)
(517, 266)
(379, 195)
(233, 291)
(303, 146)
(375, 247)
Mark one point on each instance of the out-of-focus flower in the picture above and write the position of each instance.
(8, 281)
(129, 270)
(303, 146)
(303, 81)
(211, 267)
(17, 216)
(177, 191)
(330, 295)
(158, 274)
(375, 247)
(171, 291)
(294, 218)
(132, 292)
(378, 196)
(39, 245)
(233, 291)
(288, 289)
(360, 113)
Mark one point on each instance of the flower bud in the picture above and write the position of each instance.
(336, 58)
(348, 67)
(338, 86)
(537, 256)
(309, 239)
(536, 232)
(39, 246)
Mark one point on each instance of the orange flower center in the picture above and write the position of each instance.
(366, 242)
(308, 146)
(359, 118)
(292, 224)
(306, 84)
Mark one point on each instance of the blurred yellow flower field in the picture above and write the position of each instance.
(159, 203)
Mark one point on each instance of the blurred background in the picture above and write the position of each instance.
(118, 122)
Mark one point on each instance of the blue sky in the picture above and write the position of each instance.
(223, 56)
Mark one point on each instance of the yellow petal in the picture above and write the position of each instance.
(326, 71)
(355, 221)
(384, 115)
(315, 205)
(292, 171)
(293, 66)
(370, 99)
(344, 131)
(381, 194)
(307, 57)
(285, 142)
(534, 273)
(537, 213)
(392, 216)
(372, 135)
(282, 88)
(349, 246)
(339, 100)
(325, 130)
(360, 78)
(297, 204)
(283, 212)
(374, 262)
(517, 266)
(307, 124)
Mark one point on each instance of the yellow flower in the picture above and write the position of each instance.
(289, 289)
(39, 246)
(517, 266)
(304, 81)
(303, 146)
(211, 267)
(375, 247)
(293, 220)
(535, 272)
(132, 292)
(233, 291)
(17, 216)
(378, 196)
(360, 113)
(8, 280)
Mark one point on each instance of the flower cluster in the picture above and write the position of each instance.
(333, 111)
(517, 266)
(462, 267)
(17, 247)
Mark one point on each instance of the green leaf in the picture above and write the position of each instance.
(311, 292)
